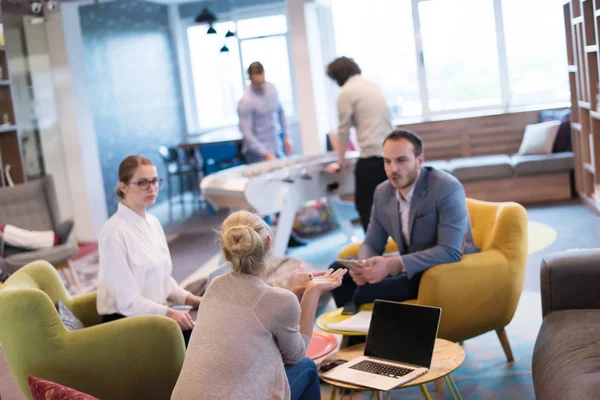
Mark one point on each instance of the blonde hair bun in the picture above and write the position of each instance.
(241, 240)
(245, 242)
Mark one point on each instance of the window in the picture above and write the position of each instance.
(456, 63)
(218, 84)
(220, 78)
(461, 54)
(383, 45)
(536, 51)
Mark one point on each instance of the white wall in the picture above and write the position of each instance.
(84, 174)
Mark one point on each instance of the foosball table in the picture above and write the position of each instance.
(283, 186)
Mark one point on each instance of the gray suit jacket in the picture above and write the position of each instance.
(438, 223)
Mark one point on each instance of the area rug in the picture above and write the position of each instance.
(540, 236)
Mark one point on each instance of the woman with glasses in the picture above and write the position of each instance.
(135, 263)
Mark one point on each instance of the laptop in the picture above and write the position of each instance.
(399, 347)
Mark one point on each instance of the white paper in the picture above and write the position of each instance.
(359, 322)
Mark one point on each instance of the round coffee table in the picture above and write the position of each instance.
(447, 357)
(333, 316)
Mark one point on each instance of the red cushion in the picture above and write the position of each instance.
(46, 390)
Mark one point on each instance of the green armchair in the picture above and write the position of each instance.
(137, 357)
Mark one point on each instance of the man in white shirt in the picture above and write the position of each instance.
(361, 104)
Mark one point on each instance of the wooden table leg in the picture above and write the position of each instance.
(425, 392)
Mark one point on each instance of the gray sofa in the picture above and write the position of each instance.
(566, 357)
(526, 179)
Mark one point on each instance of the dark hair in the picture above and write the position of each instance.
(341, 69)
(256, 68)
(127, 169)
(408, 135)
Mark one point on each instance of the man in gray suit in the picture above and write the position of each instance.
(424, 210)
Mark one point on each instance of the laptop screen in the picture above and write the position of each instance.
(403, 333)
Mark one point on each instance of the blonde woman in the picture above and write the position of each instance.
(135, 263)
(253, 337)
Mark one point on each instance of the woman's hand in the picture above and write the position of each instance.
(183, 319)
(329, 281)
(299, 279)
(193, 300)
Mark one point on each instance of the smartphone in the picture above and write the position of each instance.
(329, 365)
(347, 262)
(182, 307)
(349, 308)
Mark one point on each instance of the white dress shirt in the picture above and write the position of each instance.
(404, 208)
(135, 267)
(362, 104)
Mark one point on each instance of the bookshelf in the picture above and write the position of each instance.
(11, 152)
(582, 28)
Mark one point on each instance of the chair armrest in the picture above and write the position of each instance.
(84, 308)
(53, 255)
(131, 358)
(475, 294)
(63, 230)
(569, 280)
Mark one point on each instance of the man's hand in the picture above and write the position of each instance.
(376, 269)
(357, 276)
(268, 156)
(287, 145)
(333, 168)
(193, 300)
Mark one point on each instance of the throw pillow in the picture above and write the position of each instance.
(539, 138)
(45, 390)
(562, 142)
(28, 239)
(67, 317)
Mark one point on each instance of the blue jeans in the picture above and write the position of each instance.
(304, 380)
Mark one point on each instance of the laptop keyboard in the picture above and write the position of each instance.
(382, 369)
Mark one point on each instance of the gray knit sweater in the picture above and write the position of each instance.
(245, 332)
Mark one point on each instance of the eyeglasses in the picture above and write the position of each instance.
(144, 184)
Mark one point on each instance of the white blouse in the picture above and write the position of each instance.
(135, 267)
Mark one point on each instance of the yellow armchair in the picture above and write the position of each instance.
(481, 292)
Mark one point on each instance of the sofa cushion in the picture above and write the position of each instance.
(539, 164)
(563, 137)
(481, 167)
(442, 165)
(539, 138)
(566, 357)
(45, 390)
(69, 320)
